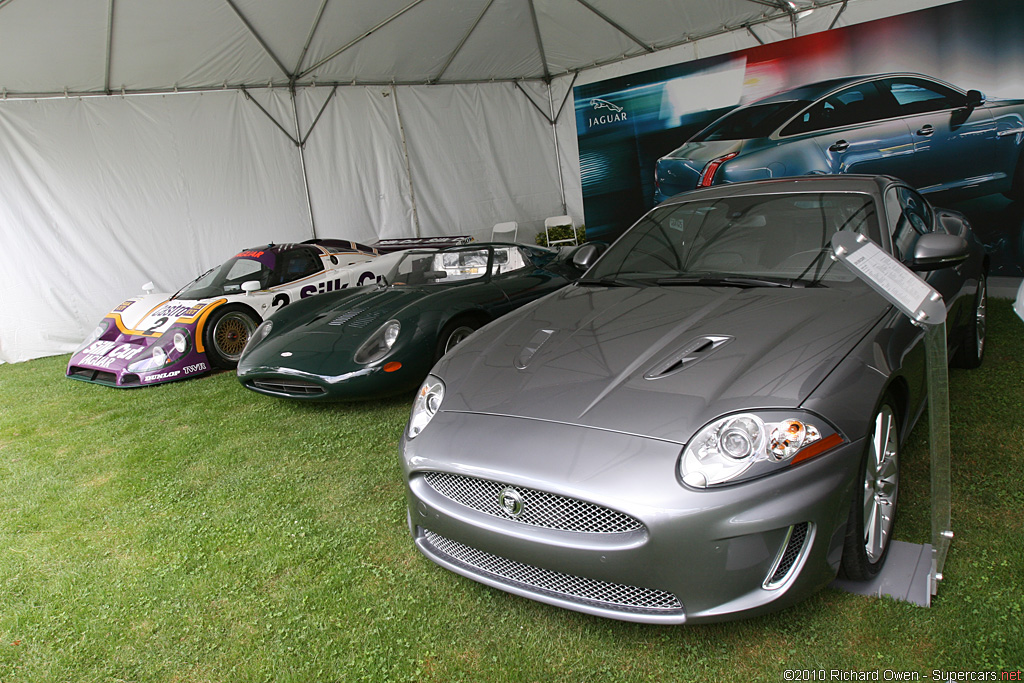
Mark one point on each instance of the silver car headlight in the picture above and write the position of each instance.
(744, 446)
(428, 402)
(379, 343)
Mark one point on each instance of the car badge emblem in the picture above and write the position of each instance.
(511, 501)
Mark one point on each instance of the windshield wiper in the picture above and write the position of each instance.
(612, 282)
(729, 281)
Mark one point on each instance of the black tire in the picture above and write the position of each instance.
(875, 497)
(453, 333)
(972, 346)
(227, 331)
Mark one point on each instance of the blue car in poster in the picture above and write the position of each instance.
(932, 135)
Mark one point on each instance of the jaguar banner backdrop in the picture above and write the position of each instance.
(934, 97)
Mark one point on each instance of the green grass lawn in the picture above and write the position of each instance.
(200, 532)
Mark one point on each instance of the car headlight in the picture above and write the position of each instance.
(379, 343)
(744, 446)
(172, 346)
(100, 330)
(260, 334)
(428, 402)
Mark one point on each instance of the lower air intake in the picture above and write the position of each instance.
(592, 592)
(288, 387)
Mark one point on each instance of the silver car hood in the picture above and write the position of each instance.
(658, 362)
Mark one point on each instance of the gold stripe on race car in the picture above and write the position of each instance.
(200, 315)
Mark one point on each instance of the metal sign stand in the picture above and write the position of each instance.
(912, 571)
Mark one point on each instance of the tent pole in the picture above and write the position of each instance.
(301, 144)
(408, 167)
(558, 154)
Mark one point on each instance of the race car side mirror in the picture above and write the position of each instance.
(148, 287)
(936, 250)
(250, 286)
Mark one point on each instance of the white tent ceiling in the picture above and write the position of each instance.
(81, 47)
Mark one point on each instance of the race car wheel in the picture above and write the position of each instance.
(972, 348)
(873, 509)
(227, 332)
(454, 333)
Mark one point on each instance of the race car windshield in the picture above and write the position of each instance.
(227, 279)
(440, 267)
(760, 240)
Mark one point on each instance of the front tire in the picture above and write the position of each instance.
(972, 348)
(227, 332)
(873, 509)
(454, 333)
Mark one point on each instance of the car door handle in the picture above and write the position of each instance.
(925, 130)
(839, 146)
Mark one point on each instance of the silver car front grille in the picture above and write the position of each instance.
(593, 592)
(535, 508)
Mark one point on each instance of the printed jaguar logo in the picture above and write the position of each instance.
(605, 104)
(614, 115)
(511, 501)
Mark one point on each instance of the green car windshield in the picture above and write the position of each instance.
(776, 238)
(456, 265)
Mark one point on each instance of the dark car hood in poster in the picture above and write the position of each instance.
(659, 361)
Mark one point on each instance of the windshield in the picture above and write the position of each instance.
(777, 238)
(755, 121)
(226, 279)
(432, 267)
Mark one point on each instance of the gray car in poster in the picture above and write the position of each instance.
(934, 136)
(708, 424)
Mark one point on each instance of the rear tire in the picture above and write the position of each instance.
(972, 347)
(227, 332)
(873, 508)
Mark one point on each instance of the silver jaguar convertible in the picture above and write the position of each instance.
(708, 424)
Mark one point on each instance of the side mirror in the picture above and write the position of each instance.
(937, 250)
(585, 256)
(975, 98)
(148, 287)
(250, 286)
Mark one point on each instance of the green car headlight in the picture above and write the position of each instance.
(740, 447)
(379, 344)
(100, 330)
(428, 402)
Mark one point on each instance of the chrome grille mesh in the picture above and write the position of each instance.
(790, 555)
(539, 508)
(594, 592)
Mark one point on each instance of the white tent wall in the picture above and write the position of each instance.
(99, 195)
(480, 154)
(355, 163)
(102, 193)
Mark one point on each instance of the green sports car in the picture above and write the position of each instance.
(379, 340)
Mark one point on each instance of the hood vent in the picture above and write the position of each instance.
(693, 352)
(346, 316)
(536, 341)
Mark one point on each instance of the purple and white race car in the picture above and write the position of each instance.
(204, 326)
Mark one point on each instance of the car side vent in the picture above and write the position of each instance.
(693, 352)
